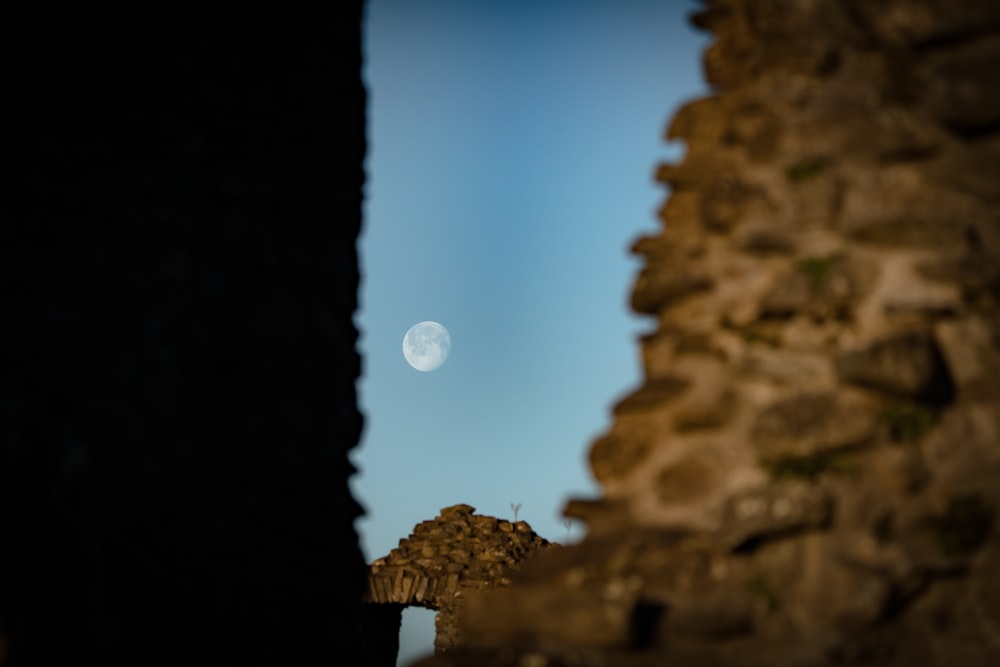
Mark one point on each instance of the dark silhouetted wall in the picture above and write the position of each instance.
(177, 386)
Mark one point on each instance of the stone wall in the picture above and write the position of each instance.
(447, 557)
(809, 473)
(179, 278)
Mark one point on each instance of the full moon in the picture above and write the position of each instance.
(426, 345)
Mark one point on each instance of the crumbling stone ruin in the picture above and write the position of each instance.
(455, 552)
(809, 473)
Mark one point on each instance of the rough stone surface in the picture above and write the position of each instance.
(808, 473)
(444, 559)
(909, 365)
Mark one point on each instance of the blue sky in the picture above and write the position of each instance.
(511, 152)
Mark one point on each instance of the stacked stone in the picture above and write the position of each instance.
(810, 472)
(458, 550)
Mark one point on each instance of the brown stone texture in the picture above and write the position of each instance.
(809, 473)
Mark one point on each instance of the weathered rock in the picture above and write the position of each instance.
(457, 552)
(621, 450)
(908, 365)
(819, 287)
(727, 200)
(972, 355)
(954, 86)
(718, 613)
(899, 208)
(587, 619)
(773, 511)
(812, 423)
(699, 120)
(686, 479)
(655, 289)
(915, 22)
(962, 448)
(652, 395)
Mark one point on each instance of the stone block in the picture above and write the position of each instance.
(652, 395)
(702, 120)
(820, 287)
(712, 614)
(955, 85)
(620, 451)
(899, 207)
(806, 424)
(789, 368)
(456, 511)
(765, 238)
(909, 365)
(728, 200)
(915, 22)
(693, 476)
(779, 509)
(899, 471)
(578, 619)
(758, 129)
(972, 356)
(962, 449)
(680, 211)
(658, 286)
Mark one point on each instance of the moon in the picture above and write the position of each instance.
(426, 345)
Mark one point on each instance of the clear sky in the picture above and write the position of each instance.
(511, 150)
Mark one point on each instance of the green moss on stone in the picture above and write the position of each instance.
(964, 525)
(909, 422)
(750, 333)
(761, 587)
(808, 467)
(806, 169)
(818, 269)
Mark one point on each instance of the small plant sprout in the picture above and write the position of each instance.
(516, 507)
